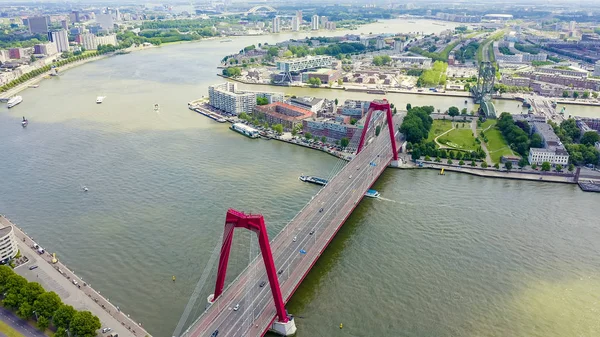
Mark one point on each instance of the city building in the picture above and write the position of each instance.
(354, 108)
(314, 22)
(61, 39)
(597, 68)
(45, 49)
(74, 16)
(325, 75)
(64, 24)
(423, 62)
(572, 25)
(304, 63)
(295, 24)
(282, 113)
(276, 28)
(110, 39)
(8, 244)
(324, 21)
(105, 20)
(87, 40)
(38, 24)
(332, 130)
(553, 150)
(330, 25)
(312, 104)
(16, 53)
(228, 98)
(299, 16)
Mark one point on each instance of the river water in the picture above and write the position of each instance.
(451, 255)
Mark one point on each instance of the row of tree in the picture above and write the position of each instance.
(232, 72)
(429, 149)
(44, 69)
(516, 134)
(29, 300)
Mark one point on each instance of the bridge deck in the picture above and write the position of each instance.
(338, 199)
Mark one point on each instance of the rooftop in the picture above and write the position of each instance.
(274, 110)
(5, 230)
(546, 131)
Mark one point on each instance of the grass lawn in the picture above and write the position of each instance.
(486, 124)
(460, 139)
(497, 145)
(8, 331)
(438, 127)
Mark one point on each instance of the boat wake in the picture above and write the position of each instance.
(386, 199)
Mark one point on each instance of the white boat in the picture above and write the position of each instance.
(372, 194)
(14, 101)
(85, 189)
(24, 122)
(221, 120)
(99, 99)
(156, 107)
(33, 85)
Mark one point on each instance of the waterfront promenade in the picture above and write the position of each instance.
(59, 278)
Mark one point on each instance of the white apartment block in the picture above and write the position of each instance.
(88, 41)
(106, 40)
(304, 63)
(276, 28)
(8, 244)
(227, 98)
(295, 24)
(61, 40)
(314, 22)
(552, 155)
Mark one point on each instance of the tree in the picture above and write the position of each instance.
(461, 162)
(484, 165)
(534, 166)
(473, 163)
(314, 81)
(463, 111)
(323, 139)
(278, 128)
(262, 101)
(453, 111)
(63, 316)
(353, 121)
(308, 135)
(232, 72)
(243, 115)
(590, 138)
(47, 304)
(545, 166)
(408, 106)
(294, 132)
(336, 101)
(377, 130)
(586, 94)
(43, 323)
(571, 167)
(575, 94)
(558, 167)
(377, 61)
(497, 166)
(536, 141)
(449, 161)
(344, 142)
(287, 54)
(565, 94)
(25, 311)
(523, 162)
(84, 324)
(508, 165)
(340, 82)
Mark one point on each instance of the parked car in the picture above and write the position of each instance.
(237, 307)
(105, 330)
(312, 232)
(280, 272)
(215, 334)
(262, 284)
(32, 267)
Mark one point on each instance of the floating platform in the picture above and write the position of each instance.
(589, 186)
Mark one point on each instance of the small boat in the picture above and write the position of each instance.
(85, 189)
(173, 278)
(100, 99)
(442, 172)
(156, 107)
(372, 194)
(33, 85)
(221, 120)
(24, 122)
(313, 180)
(14, 101)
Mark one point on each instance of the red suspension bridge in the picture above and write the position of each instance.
(248, 307)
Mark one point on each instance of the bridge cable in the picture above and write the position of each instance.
(197, 290)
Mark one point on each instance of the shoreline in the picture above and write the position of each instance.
(107, 312)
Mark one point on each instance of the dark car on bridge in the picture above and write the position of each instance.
(262, 284)
(214, 334)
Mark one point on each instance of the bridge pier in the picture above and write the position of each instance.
(284, 329)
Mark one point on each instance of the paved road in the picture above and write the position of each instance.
(18, 324)
(58, 278)
(338, 199)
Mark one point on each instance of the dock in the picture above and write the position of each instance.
(589, 186)
(71, 288)
(205, 111)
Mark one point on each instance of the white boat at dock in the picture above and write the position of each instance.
(14, 101)
(100, 99)
(33, 85)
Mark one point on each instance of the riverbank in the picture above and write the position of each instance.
(357, 89)
(71, 288)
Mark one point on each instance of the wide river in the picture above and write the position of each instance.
(450, 255)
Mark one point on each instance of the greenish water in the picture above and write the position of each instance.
(437, 256)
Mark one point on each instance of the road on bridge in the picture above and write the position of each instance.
(337, 199)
